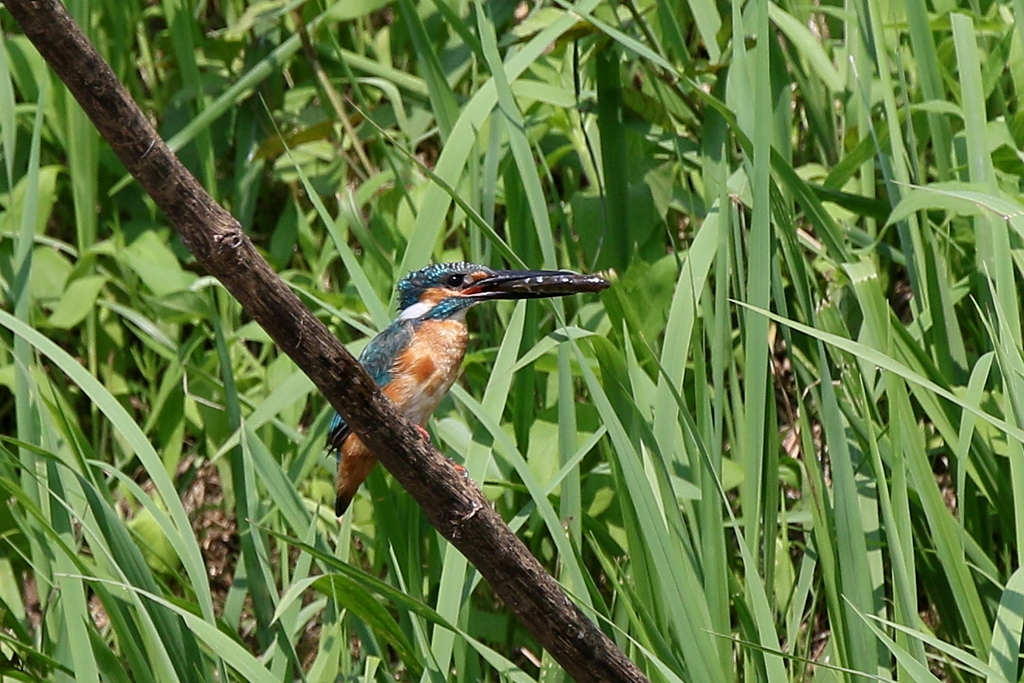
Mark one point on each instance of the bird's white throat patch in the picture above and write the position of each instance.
(421, 308)
(417, 310)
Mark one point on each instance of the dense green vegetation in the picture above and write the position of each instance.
(787, 444)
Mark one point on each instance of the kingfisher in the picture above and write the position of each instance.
(416, 359)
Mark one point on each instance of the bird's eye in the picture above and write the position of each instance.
(455, 280)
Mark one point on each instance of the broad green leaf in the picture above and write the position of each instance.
(78, 301)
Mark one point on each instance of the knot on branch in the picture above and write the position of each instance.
(231, 248)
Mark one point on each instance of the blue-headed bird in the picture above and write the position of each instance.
(417, 358)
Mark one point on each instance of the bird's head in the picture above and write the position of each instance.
(447, 290)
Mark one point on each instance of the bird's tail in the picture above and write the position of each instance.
(354, 466)
(342, 501)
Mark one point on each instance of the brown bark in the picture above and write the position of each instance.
(453, 505)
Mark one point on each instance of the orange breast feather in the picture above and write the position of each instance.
(426, 370)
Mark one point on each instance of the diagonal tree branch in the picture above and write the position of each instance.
(453, 505)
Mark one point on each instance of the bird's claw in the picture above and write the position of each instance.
(459, 468)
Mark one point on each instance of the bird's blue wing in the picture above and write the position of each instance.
(379, 359)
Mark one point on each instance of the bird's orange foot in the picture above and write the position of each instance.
(423, 432)
(459, 468)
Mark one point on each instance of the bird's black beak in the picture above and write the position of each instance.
(533, 284)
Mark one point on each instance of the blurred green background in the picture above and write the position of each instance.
(786, 445)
